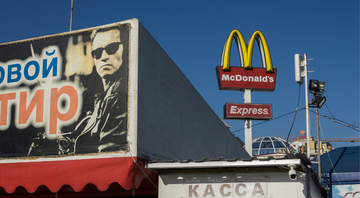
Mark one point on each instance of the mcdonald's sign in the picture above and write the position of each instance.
(246, 77)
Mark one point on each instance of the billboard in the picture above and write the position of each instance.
(246, 77)
(346, 191)
(65, 94)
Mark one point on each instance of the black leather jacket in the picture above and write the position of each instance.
(106, 129)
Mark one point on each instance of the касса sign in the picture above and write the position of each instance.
(231, 190)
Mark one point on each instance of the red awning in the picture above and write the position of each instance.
(80, 177)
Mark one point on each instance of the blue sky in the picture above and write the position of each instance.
(193, 34)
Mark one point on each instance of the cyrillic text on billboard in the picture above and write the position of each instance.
(65, 94)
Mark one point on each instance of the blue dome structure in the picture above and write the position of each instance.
(271, 145)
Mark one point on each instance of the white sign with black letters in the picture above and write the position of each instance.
(230, 190)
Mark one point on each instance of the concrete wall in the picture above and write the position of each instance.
(173, 120)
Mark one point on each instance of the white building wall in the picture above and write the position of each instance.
(269, 185)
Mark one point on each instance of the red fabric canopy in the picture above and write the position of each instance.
(124, 175)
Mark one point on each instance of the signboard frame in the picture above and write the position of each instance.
(242, 111)
(239, 78)
(51, 84)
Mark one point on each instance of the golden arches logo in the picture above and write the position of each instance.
(246, 51)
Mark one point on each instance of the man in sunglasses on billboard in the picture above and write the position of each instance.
(106, 128)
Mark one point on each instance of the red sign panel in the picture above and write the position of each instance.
(238, 78)
(248, 111)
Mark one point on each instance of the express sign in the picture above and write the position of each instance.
(246, 111)
(246, 77)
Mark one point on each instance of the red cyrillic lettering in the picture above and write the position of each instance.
(54, 111)
(4, 98)
(37, 100)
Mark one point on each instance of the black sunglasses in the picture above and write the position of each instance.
(110, 49)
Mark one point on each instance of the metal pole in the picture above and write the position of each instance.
(307, 178)
(307, 107)
(248, 124)
(71, 15)
(318, 142)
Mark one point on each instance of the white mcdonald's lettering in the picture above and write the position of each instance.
(230, 190)
(246, 51)
(239, 78)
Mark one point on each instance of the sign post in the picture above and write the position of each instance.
(248, 124)
(247, 79)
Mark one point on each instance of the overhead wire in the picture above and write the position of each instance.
(269, 120)
(287, 126)
(345, 124)
(281, 127)
(345, 132)
(297, 107)
(333, 128)
(329, 110)
(339, 121)
(332, 164)
(328, 155)
(333, 119)
(327, 117)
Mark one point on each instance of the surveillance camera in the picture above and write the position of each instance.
(292, 172)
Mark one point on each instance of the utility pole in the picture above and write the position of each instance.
(317, 88)
(305, 74)
(71, 14)
(318, 143)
